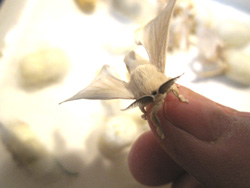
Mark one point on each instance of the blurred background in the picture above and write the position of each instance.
(51, 49)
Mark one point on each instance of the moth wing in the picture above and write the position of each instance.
(154, 37)
(104, 86)
(132, 60)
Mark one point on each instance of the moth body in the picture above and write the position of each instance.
(146, 80)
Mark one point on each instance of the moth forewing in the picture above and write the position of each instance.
(105, 86)
(154, 37)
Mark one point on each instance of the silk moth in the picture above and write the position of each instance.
(148, 83)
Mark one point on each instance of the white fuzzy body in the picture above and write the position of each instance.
(145, 79)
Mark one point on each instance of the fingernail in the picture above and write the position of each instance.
(200, 117)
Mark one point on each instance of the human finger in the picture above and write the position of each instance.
(150, 164)
(208, 140)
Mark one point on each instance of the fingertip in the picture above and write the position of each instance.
(149, 164)
(200, 135)
(201, 117)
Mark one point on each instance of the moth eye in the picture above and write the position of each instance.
(154, 93)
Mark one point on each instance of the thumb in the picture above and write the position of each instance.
(206, 139)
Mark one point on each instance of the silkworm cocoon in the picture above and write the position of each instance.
(130, 8)
(118, 134)
(137, 10)
(209, 43)
(87, 6)
(234, 32)
(221, 58)
(29, 153)
(238, 64)
(43, 67)
(233, 27)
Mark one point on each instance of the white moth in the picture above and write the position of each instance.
(148, 83)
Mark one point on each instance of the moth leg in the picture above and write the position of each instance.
(178, 95)
(143, 116)
(157, 123)
(156, 120)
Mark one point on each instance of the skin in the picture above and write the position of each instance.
(206, 145)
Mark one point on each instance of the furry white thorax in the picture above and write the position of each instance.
(145, 79)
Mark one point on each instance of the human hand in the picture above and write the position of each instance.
(206, 145)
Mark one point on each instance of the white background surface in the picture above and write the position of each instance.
(70, 131)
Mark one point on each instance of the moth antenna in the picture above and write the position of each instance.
(165, 86)
(141, 101)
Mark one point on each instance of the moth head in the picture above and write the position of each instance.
(154, 93)
(147, 99)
